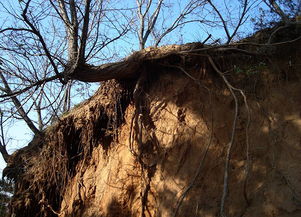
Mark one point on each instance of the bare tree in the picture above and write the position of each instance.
(147, 21)
(227, 20)
(280, 14)
(278, 10)
(274, 7)
(33, 54)
(151, 23)
(185, 16)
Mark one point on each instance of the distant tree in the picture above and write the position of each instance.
(232, 22)
(150, 23)
(277, 11)
(285, 9)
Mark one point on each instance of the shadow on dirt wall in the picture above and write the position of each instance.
(188, 179)
(274, 136)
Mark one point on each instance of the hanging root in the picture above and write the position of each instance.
(198, 171)
(136, 133)
(230, 144)
(248, 162)
(136, 119)
(136, 127)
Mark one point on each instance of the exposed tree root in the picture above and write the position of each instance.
(230, 144)
(198, 171)
(136, 121)
(136, 134)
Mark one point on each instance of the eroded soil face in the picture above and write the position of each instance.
(162, 152)
(176, 167)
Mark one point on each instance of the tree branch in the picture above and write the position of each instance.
(119, 70)
(16, 29)
(276, 8)
(82, 49)
(41, 39)
(35, 84)
(19, 107)
(225, 26)
(3, 149)
(73, 33)
(152, 21)
(63, 14)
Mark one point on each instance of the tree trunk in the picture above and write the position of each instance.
(119, 70)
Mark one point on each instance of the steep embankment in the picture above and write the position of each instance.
(157, 146)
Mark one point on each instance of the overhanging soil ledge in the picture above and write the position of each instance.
(156, 145)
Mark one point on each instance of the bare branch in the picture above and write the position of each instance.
(152, 22)
(73, 33)
(41, 39)
(272, 4)
(225, 26)
(3, 149)
(19, 107)
(189, 8)
(243, 14)
(15, 29)
(81, 56)
(35, 84)
(144, 34)
(62, 13)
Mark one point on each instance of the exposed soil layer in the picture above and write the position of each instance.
(156, 145)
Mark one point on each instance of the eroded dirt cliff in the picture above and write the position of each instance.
(157, 146)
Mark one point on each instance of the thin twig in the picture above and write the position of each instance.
(209, 36)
